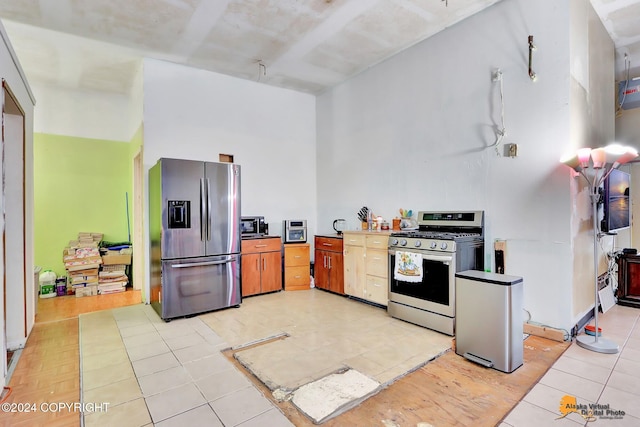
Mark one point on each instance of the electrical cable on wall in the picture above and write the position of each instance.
(627, 66)
(501, 131)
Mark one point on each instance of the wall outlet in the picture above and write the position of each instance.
(511, 150)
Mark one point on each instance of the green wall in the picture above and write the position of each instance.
(80, 184)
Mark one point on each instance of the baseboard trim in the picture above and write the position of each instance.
(582, 322)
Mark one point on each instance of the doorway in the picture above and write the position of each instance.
(14, 260)
(138, 226)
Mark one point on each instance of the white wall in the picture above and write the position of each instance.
(85, 113)
(136, 102)
(627, 128)
(592, 125)
(197, 114)
(15, 261)
(11, 72)
(414, 132)
(628, 133)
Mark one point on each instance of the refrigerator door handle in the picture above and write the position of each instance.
(208, 210)
(200, 264)
(202, 210)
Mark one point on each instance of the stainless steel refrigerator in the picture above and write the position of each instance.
(194, 228)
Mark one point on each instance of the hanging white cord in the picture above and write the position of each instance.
(502, 131)
(627, 65)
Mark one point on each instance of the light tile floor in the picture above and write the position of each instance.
(129, 356)
(164, 374)
(325, 333)
(590, 377)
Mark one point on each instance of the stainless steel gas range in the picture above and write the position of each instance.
(423, 264)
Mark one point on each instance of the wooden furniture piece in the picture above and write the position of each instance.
(366, 265)
(296, 267)
(629, 280)
(328, 267)
(261, 265)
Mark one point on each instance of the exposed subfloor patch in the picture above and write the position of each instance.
(334, 394)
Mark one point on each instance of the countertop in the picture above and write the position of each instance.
(261, 237)
(340, 236)
(384, 232)
(330, 235)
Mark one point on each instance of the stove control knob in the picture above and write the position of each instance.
(443, 246)
(418, 243)
(394, 242)
(433, 245)
(403, 242)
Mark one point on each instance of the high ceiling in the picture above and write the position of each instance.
(305, 45)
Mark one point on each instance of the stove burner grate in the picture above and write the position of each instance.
(434, 235)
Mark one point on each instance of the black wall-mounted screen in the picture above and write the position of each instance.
(617, 205)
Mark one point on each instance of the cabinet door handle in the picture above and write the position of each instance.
(329, 262)
(258, 264)
(324, 259)
(296, 277)
(297, 256)
(260, 246)
(264, 264)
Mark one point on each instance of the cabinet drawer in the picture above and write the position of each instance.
(377, 290)
(377, 262)
(251, 246)
(296, 255)
(296, 277)
(354, 239)
(328, 244)
(378, 242)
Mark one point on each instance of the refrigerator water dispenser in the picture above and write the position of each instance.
(179, 214)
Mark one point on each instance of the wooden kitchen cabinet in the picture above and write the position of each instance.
(366, 266)
(296, 267)
(629, 280)
(354, 271)
(261, 266)
(328, 265)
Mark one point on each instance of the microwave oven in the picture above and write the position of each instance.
(295, 230)
(253, 226)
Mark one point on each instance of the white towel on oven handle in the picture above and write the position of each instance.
(408, 267)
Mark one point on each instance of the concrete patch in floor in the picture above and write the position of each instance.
(334, 394)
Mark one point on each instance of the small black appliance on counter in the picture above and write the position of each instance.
(253, 226)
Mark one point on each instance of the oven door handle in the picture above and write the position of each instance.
(445, 259)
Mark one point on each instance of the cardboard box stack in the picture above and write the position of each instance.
(82, 261)
(113, 277)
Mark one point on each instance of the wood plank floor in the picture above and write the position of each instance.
(448, 391)
(48, 368)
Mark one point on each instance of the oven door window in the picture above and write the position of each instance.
(434, 286)
(297, 236)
